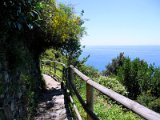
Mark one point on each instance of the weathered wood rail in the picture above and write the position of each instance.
(68, 78)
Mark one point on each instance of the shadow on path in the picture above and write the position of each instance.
(52, 104)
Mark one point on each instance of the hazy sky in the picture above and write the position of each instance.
(120, 22)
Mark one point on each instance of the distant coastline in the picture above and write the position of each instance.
(100, 56)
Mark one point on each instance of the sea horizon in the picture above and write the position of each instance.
(100, 55)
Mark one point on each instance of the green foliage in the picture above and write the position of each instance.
(90, 71)
(147, 99)
(155, 82)
(135, 74)
(41, 24)
(72, 50)
(138, 77)
(112, 68)
(112, 83)
(129, 77)
(104, 108)
(29, 28)
(155, 105)
(141, 80)
(113, 112)
(60, 24)
(53, 55)
(17, 14)
(64, 29)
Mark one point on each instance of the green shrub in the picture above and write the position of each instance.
(145, 99)
(116, 113)
(107, 111)
(113, 67)
(150, 101)
(155, 82)
(155, 105)
(137, 76)
(90, 71)
(112, 83)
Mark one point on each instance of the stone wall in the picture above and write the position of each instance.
(20, 81)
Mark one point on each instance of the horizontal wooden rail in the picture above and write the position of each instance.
(54, 62)
(128, 103)
(55, 68)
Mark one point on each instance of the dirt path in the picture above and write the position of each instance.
(52, 105)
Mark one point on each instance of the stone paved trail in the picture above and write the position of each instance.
(52, 103)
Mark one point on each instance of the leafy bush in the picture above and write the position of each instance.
(149, 101)
(155, 82)
(139, 77)
(90, 71)
(128, 74)
(117, 113)
(112, 68)
(155, 105)
(145, 99)
(107, 110)
(112, 83)
(141, 80)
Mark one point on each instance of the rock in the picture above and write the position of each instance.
(47, 117)
(49, 104)
(41, 110)
(53, 114)
(12, 105)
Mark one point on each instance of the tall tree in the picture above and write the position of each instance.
(28, 28)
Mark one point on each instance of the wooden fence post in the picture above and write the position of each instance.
(70, 77)
(63, 74)
(50, 68)
(89, 97)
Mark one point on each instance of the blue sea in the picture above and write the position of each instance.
(100, 56)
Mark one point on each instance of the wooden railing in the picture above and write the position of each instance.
(54, 65)
(58, 66)
(69, 73)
